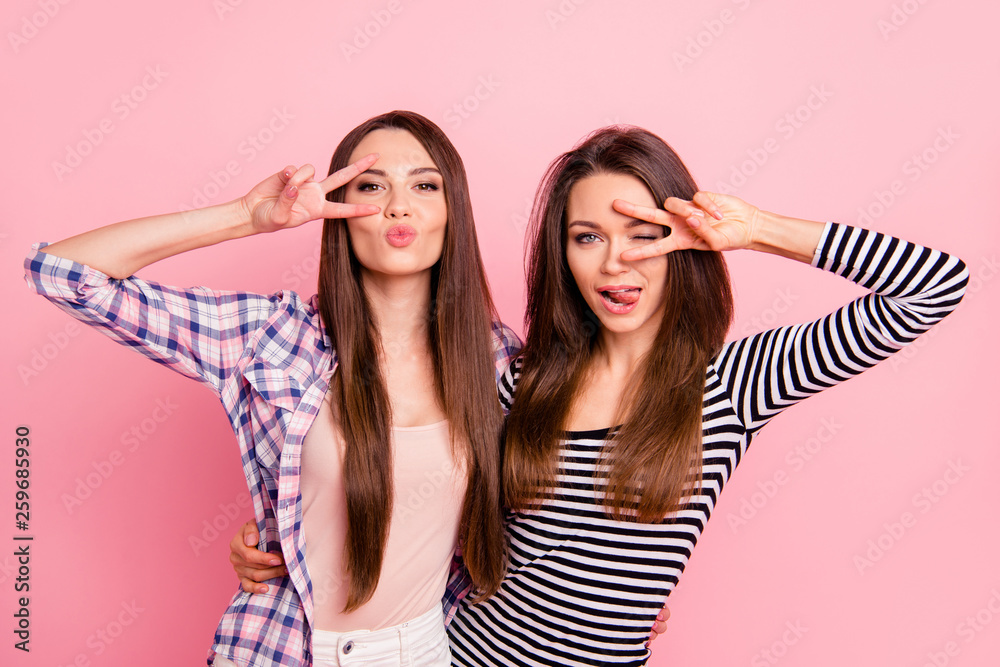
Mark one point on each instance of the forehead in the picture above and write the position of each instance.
(396, 148)
(591, 197)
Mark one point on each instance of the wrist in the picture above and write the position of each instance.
(765, 232)
(240, 218)
(204, 227)
(789, 237)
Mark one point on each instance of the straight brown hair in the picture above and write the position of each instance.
(460, 321)
(654, 458)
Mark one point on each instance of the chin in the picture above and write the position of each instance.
(621, 327)
(617, 324)
(627, 324)
(406, 268)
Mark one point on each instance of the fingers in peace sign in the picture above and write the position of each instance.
(291, 197)
(709, 221)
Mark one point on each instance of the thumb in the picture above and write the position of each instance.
(250, 537)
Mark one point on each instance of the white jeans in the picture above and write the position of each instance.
(421, 642)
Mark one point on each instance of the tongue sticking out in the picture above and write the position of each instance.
(622, 296)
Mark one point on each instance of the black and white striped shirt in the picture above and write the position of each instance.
(584, 589)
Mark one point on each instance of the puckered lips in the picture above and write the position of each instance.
(400, 236)
(620, 299)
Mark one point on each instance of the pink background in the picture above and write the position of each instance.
(163, 100)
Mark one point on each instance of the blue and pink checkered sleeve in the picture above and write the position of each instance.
(196, 332)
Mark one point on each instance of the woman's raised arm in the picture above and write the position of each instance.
(281, 201)
(911, 289)
(197, 332)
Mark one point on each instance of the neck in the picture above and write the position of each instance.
(621, 353)
(400, 305)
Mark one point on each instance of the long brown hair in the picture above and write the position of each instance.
(459, 326)
(655, 457)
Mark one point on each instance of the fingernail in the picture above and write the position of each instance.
(718, 214)
(274, 561)
(694, 222)
(287, 174)
(248, 540)
(262, 589)
(291, 191)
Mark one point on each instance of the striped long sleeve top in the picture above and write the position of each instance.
(584, 589)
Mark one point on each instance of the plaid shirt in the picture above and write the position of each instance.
(269, 360)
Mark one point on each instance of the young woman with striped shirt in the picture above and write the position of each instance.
(631, 411)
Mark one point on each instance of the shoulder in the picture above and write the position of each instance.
(305, 309)
(506, 345)
(291, 316)
(291, 336)
(507, 383)
(289, 306)
(506, 350)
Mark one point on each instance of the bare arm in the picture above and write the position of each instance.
(284, 200)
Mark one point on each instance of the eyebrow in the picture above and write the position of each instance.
(413, 172)
(634, 222)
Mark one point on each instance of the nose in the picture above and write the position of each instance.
(398, 205)
(613, 264)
